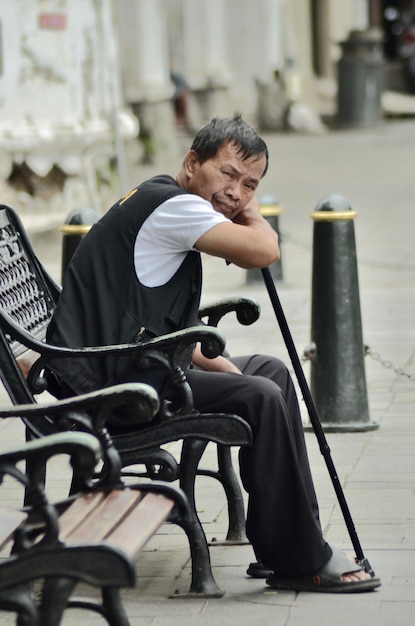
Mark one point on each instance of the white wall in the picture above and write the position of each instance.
(60, 93)
(60, 68)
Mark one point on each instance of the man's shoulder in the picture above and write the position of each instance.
(161, 180)
(149, 194)
(161, 186)
(165, 179)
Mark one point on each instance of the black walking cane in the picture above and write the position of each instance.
(361, 560)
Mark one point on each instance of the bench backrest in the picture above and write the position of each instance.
(28, 296)
(27, 293)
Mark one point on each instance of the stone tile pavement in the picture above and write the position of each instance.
(374, 170)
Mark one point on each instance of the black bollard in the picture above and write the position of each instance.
(338, 380)
(76, 226)
(270, 210)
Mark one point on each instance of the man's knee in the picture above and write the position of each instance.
(269, 367)
(264, 394)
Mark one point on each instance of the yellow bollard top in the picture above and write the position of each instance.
(269, 207)
(75, 229)
(333, 208)
(332, 216)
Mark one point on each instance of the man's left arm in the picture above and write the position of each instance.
(218, 364)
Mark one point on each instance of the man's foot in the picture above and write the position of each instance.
(356, 576)
(336, 576)
(257, 570)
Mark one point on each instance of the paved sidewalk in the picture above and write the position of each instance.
(374, 170)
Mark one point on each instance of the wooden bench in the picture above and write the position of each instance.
(28, 296)
(92, 537)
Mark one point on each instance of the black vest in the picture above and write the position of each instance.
(104, 303)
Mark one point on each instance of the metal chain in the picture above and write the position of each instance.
(310, 353)
(389, 365)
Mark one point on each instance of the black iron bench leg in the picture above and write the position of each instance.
(20, 602)
(203, 583)
(225, 474)
(113, 607)
(56, 598)
(55, 595)
(236, 508)
(35, 469)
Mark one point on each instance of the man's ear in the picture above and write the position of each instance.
(190, 162)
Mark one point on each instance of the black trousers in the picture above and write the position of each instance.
(283, 523)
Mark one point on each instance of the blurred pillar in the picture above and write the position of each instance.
(144, 50)
(144, 56)
(320, 23)
(206, 62)
(268, 68)
(376, 13)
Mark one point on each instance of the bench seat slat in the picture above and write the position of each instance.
(123, 518)
(100, 522)
(142, 523)
(78, 512)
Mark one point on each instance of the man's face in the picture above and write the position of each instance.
(227, 180)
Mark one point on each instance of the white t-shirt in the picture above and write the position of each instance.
(168, 234)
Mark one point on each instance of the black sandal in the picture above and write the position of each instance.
(257, 570)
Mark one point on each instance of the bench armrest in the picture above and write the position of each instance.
(140, 395)
(84, 451)
(247, 310)
(211, 339)
(167, 350)
(89, 413)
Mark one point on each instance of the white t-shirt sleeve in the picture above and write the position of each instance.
(169, 233)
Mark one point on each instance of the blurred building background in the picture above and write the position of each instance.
(79, 77)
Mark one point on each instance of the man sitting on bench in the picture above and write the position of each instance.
(138, 274)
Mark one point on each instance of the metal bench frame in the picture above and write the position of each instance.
(28, 296)
(72, 541)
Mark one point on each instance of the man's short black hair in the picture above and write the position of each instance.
(234, 130)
